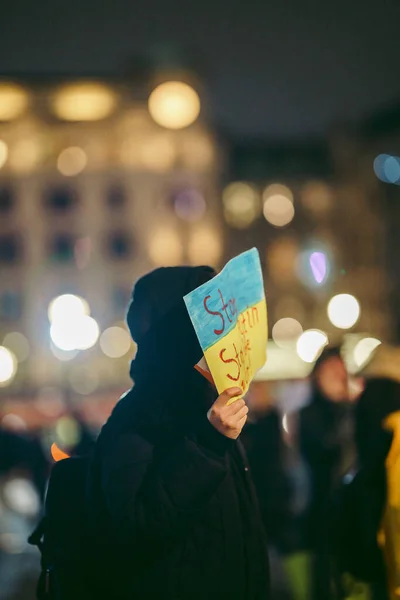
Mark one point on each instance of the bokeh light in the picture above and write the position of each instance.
(84, 101)
(174, 105)
(3, 153)
(364, 350)
(317, 197)
(278, 210)
(84, 380)
(310, 344)
(242, 204)
(157, 152)
(282, 258)
(12, 422)
(387, 168)
(286, 332)
(189, 205)
(67, 306)
(75, 333)
(204, 247)
(71, 161)
(343, 311)
(63, 355)
(165, 248)
(18, 344)
(25, 156)
(20, 495)
(13, 101)
(8, 366)
(115, 342)
(313, 267)
(278, 189)
(67, 431)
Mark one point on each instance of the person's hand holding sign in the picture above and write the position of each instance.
(228, 414)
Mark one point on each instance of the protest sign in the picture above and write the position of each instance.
(229, 315)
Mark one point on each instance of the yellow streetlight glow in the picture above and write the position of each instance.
(174, 105)
(13, 101)
(241, 204)
(83, 101)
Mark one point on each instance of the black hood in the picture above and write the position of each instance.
(169, 395)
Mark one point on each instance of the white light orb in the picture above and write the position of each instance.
(67, 307)
(21, 497)
(364, 350)
(344, 311)
(115, 342)
(174, 105)
(78, 333)
(286, 332)
(310, 344)
(8, 366)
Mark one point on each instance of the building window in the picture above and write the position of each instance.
(119, 245)
(10, 248)
(61, 199)
(62, 248)
(10, 305)
(7, 200)
(116, 197)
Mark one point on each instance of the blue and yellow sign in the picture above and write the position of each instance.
(229, 314)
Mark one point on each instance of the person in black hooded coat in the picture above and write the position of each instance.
(171, 498)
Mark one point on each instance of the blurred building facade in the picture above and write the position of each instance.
(97, 186)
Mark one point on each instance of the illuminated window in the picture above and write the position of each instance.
(10, 248)
(119, 245)
(10, 305)
(61, 199)
(62, 248)
(116, 197)
(7, 200)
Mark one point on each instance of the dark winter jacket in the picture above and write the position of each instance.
(266, 453)
(170, 498)
(326, 436)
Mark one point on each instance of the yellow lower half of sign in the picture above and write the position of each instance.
(235, 358)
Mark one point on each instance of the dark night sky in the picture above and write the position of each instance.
(277, 68)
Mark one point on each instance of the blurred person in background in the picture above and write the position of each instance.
(366, 523)
(21, 452)
(263, 441)
(171, 500)
(326, 441)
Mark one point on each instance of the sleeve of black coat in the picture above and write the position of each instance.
(153, 500)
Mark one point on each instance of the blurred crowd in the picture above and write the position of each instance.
(321, 473)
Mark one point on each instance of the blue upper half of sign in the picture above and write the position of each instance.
(215, 306)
